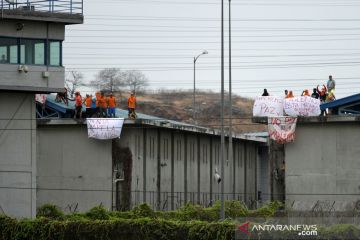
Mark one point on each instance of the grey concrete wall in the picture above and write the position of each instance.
(250, 172)
(323, 167)
(263, 174)
(17, 154)
(33, 80)
(181, 169)
(72, 169)
(239, 171)
(42, 30)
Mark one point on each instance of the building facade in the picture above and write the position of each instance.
(164, 165)
(31, 35)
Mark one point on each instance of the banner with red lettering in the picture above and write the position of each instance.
(282, 129)
(269, 106)
(302, 106)
(104, 128)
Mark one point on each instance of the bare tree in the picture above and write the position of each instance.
(109, 79)
(73, 80)
(135, 80)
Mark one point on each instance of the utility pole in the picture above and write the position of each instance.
(230, 103)
(222, 210)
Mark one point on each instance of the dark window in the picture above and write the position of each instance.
(32, 51)
(8, 50)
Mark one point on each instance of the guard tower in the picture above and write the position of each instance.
(31, 37)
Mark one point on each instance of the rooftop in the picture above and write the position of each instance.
(64, 11)
(142, 119)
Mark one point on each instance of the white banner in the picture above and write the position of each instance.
(41, 98)
(282, 129)
(269, 106)
(104, 128)
(302, 106)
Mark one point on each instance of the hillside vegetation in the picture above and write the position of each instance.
(178, 105)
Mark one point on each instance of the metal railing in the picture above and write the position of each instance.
(51, 6)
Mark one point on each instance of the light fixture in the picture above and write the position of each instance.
(19, 26)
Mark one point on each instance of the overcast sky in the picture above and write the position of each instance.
(276, 44)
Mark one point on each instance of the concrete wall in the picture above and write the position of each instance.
(17, 154)
(263, 175)
(323, 167)
(73, 171)
(33, 80)
(172, 167)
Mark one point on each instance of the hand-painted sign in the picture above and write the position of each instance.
(302, 106)
(269, 106)
(282, 129)
(104, 128)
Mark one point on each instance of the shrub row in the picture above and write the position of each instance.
(233, 210)
(127, 229)
(146, 229)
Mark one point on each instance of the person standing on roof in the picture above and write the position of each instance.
(87, 102)
(102, 105)
(322, 93)
(78, 105)
(330, 84)
(305, 93)
(315, 94)
(132, 105)
(290, 94)
(265, 93)
(111, 105)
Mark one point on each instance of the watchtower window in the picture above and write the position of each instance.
(32, 51)
(8, 50)
(55, 53)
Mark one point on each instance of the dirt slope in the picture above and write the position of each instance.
(177, 105)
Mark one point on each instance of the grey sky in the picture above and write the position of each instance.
(276, 44)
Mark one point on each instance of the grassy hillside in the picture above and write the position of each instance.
(177, 105)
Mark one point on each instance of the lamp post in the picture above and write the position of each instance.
(196, 58)
(230, 102)
(222, 208)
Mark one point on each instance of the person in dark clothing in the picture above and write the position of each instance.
(286, 92)
(315, 94)
(265, 93)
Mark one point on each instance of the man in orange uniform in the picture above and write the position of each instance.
(102, 105)
(78, 105)
(111, 105)
(88, 105)
(132, 105)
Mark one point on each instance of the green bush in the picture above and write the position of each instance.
(127, 229)
(98, 213)
(267, 210)
(50, 211)
(143, 210)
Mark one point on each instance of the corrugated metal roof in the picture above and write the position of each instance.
(341, 102)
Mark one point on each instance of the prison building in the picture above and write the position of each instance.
(31, 37)
(158, 161)
(322, 165)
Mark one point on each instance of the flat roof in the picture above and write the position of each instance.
(143, 119)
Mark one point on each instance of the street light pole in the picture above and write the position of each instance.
(230, 104)
(195, 58)
(222, 209)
